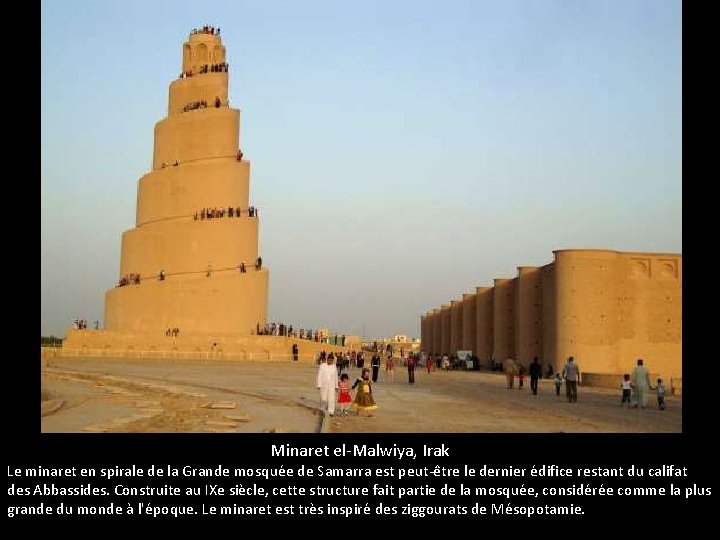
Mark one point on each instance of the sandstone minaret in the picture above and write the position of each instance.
(189, 263)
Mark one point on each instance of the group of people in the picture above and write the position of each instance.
(130, 279)
(343, 360)
(206, 30)
(81, 324)
(280, 329)
(336, 340)
(274, 329)
(448, 362)
(333, 381)
(271, 329)
(231, 211)
(172, 332)
(570, 374)
(636, 383)
(195, 105)
(412, 361)
(222, 67)
(633, 385)
(175, 164)
(338, 391)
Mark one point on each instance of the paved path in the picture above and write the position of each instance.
(121, 395)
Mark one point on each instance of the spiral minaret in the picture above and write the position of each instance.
(191, 261)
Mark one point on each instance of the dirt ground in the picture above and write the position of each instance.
(122, 395)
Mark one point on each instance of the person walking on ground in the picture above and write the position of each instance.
(327, 384)
(641, 383)
(375, 363)
(428, 363)
(364, 399)
(344, 397)
(521, 376)
(411, 363)
(339, 364)
(558, 383)
(510, 372)
(390, 368)
(535, 372)
(626, 390)
(571, 374)
(660, 389)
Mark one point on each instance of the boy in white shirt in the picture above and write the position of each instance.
(660, 389)
(626, 390)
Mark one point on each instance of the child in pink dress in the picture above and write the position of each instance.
(344, 397)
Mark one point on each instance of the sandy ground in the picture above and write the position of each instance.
(121, 395)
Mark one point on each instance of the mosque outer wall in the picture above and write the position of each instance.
(504, 319)
(603, 307)
(436, 331)
(429, 345)
(455, 325)
(484, 333)
(445, 328)
(613, 308)
(468, 322)
(425, 331)
(549, 324)
(425, 340)
(528, 314)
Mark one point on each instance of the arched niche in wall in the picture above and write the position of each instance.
(187, 57)
(640, 268)
(201, 54)
(217, 55)
(668, 269)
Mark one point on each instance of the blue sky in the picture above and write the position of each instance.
(403, 153)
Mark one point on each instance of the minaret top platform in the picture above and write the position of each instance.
(204, 38)
(203, 52)
(208, 31)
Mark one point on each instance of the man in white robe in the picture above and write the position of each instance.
(640, 382)
(511, 369)
(327, 380)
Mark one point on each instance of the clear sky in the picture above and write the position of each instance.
(403, 152)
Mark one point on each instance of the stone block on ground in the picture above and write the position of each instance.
(222, 405)
(237, 417)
